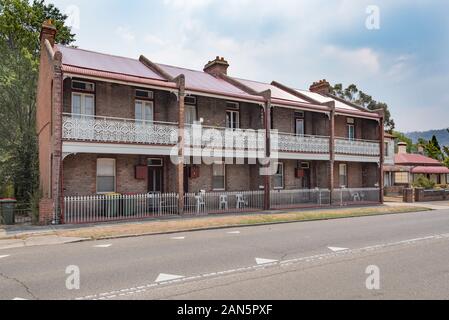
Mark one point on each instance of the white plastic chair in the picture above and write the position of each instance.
(200, 203)
(241, 202)
(224, 202)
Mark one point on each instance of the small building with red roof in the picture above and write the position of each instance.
(408, 167)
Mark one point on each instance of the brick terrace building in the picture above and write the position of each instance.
(109, 124)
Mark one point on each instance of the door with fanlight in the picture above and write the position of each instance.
(155, 175)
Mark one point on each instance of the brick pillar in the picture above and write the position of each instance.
(331, 150)
(267, 178)
(382, 158)
(57, 191)
(181, 125)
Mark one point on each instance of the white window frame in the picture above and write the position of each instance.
(83, 103)
(188, 109)
(233, 113)
(150, 94)
(351, 128)
(154, 165)
(224, 177)
(282, 174)
(190, 103)
(143, 106)
(115, 175)
(303, 126)
(403, 174)
(340, 167)
(86, 83)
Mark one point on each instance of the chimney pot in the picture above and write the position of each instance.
(322, 87)
(217, 66)
(48, 32)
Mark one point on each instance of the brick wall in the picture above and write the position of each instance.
(364, 128)
(213, 111)
(117, 100)
(315, 123)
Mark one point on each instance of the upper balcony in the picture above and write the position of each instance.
(356, 147)
(83, 128)
(287, 142)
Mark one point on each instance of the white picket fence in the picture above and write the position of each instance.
(346, 196)
(98, 208)
(299, 198)
(203, 203)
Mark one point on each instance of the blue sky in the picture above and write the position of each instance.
(405, 63)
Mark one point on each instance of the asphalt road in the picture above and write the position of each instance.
(309, 260)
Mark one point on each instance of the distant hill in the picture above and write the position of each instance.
(442, 136)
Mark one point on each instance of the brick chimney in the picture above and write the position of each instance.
(322, 87)
(420, 149)
(48, 32)
(402, 148)
(217, 66)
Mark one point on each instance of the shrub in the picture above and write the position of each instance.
(423, 182)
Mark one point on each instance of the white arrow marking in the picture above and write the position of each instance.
(336, 249)
(1, 257)
(178, 238)
(103, 246)
(260, 261)
(234, 232)
(167, 277)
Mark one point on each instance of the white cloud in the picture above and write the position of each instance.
(351, 59)
(125, 34)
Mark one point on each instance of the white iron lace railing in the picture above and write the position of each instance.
(299, 143)
(108, 129)
(357, 147)
(205, 137)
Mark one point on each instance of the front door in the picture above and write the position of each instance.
(155, 179)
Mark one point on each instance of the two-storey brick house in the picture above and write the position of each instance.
(118, 138)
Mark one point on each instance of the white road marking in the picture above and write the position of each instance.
(234, 232)
(6, 256)
(163, 277)
(178, 238)
(261, 261)
(19, 299)
(284, 263)
(103, 246)
(337, 249)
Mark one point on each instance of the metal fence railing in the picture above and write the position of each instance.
(346, 196)
(223, 202)
(85, 209)
(299, 198)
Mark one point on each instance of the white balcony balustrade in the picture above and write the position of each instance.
(286, 142)
(204, 137)
(108, 129)
(369, 148)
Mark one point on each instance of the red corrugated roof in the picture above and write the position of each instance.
(430, 170)
(117, 76)
(204, 82)
(104, 62)
(417, 159)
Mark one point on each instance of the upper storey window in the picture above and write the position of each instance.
(83, 98)
(350, 128)
(232, 115)
(144, 106)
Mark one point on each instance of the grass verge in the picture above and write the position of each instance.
(210, 222)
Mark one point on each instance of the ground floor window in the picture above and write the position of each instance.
(343, 175)
(218, 177)
(401, 177)
(278, 178)
(105, 175)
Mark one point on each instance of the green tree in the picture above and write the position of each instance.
(20, 25)
(354, 95)
(400, 137)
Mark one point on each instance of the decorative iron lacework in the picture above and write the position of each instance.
(223, 138)
(357, 147)
(83, 128)
(293, 143)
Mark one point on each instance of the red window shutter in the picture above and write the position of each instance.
(141, 172)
